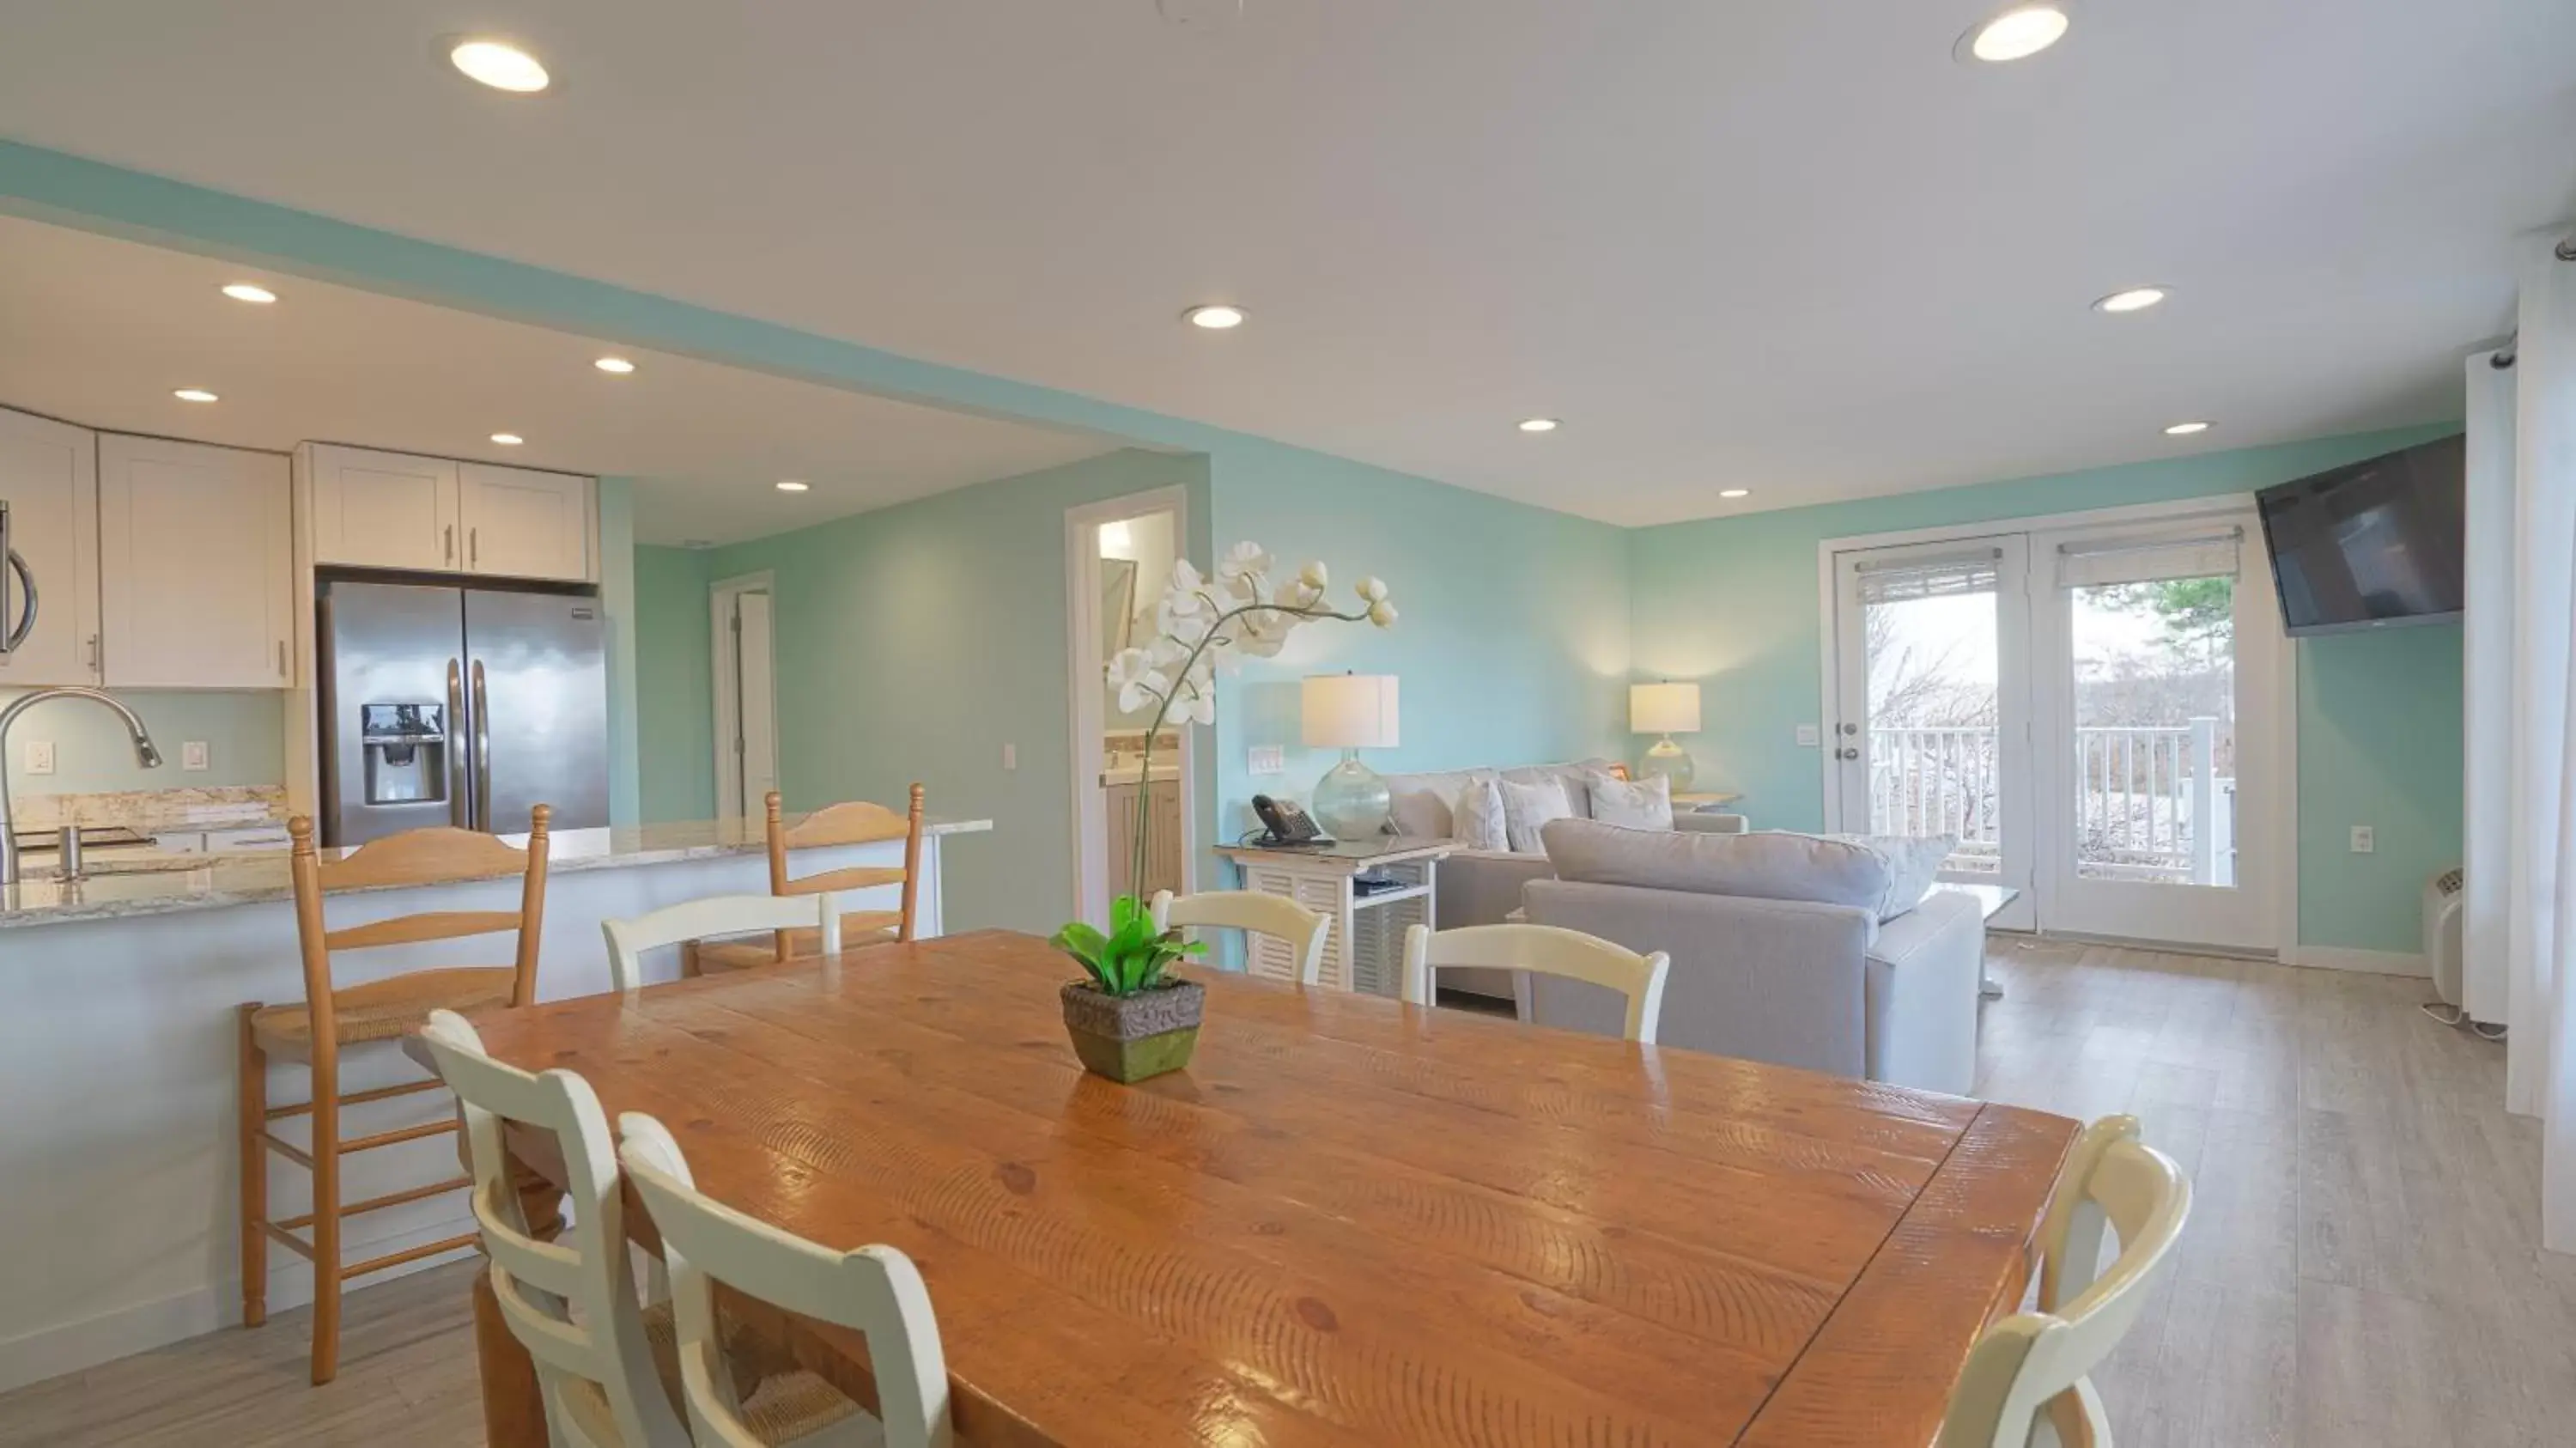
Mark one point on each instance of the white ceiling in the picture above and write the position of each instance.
(1791, 247)
(101, 331)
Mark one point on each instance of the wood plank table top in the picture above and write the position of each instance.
(1350, 1221)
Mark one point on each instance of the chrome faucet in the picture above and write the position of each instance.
(144, 754)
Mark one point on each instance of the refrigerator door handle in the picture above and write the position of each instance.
(459, 812)
(482, 753)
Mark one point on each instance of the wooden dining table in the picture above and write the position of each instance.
(1349, 1221)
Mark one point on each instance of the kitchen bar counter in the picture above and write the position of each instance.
(129, 884)
(118, 1057)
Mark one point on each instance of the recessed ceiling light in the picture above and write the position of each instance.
(193, 394)
(2134, 299)
(1217, 317)
(1540, 424)
(508, 439)
(618, 365)
(792, 486)
(2186, 429)
(2015, 34)
(1735, 492)
(245, 292)
(500, 66)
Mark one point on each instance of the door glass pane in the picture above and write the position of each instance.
(2155, 730)
(1934, 699)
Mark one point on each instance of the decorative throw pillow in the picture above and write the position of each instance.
(1639, 804)
(1527, 808)
(1913, 866)
(1477, 819)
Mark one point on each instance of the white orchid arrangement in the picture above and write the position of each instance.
(1204, 626)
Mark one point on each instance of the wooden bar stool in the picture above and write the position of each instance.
(332, 1018)
(855, 823)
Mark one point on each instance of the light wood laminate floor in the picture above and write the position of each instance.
(2362, 1267)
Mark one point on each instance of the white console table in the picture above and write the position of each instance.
(1364, 950)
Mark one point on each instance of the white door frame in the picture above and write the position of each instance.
(2284, 886)
(1083, 691)
(730, 805)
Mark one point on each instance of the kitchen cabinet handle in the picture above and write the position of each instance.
(281, 659)
(447, 554)
(93, 653)
(473, 547)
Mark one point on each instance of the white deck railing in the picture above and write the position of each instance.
(2140, 791)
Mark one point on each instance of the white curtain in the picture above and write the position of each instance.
(2540, 900)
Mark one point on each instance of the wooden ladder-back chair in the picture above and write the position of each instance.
(855, 823)
(332, 1018)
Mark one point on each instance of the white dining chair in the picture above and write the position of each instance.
(1280, 918)
(716, 915)
(571, 1302)
(2029, 1380)
(875, 1290)
(1547, 950)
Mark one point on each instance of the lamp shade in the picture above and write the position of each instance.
(1663, 708)
(1348, 711)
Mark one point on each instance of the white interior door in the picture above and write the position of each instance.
(755, 656)
(1930, 734)
(2158, 655)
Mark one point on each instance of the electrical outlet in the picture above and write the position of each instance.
(192, 755)
(1268, 759)
(39, 756)
(1010, 756)
(2363, 840)
(1811, 736)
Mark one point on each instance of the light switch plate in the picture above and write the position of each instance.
(40, 756)
(1268, 759)
(1010, 756)
(1811, 736)
(192, 755)
(2364, 840)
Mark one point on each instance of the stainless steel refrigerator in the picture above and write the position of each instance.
(459, 706)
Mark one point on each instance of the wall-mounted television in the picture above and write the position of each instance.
(2374, 544)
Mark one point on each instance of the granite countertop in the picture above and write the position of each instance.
(128, 884)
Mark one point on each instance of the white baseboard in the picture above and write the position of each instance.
(2368, 962)
(50, 1352)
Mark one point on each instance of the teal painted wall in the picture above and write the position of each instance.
(674, 685)
(1512, 641)
(617, 608)
(915, 641)
(1732, 603)
(244, 735)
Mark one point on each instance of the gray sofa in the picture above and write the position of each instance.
(1483, 887)
(1820, 983)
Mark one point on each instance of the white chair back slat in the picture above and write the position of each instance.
(1547, 950)
(1280, 918)
(2029, 1379)
(874, 1290)
(716, 915)
(571, 1302)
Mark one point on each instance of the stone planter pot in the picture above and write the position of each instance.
(1130, 1038)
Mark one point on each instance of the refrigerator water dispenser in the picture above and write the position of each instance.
(406, 748)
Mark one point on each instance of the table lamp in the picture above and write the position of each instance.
(1666, 709)
(1350, 712)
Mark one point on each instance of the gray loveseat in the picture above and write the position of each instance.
(1819, 982)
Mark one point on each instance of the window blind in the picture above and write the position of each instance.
(2092, 565)
(1945, 576)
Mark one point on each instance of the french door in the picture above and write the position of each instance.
(2091, 709)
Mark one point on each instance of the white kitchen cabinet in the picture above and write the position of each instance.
(196, 569)
(384, 510)
(520, 523)
(49, 477)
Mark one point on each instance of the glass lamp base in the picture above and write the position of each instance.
(1352, 801)
(1669, 760)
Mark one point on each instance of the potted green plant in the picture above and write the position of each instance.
(1130, 1017)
